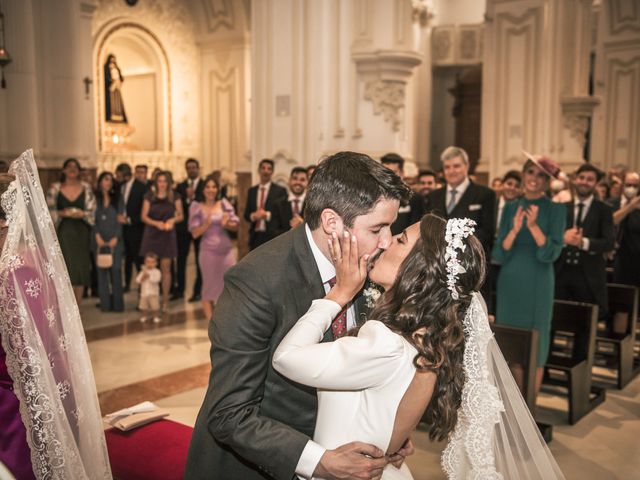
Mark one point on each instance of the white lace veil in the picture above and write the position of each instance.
(42, 335)
(495, 437)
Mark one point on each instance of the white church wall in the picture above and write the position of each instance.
(331, 76)
(616, 122)
(45, 106)
(224, 40)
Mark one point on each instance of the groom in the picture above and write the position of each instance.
(254, 423)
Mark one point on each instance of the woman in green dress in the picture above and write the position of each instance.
(72, 205)
(529, 240)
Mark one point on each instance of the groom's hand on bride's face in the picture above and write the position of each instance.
(354, 460)
(397, 459)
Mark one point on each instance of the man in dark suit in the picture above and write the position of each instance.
(255, 424)
(462, 198)
(190, 190)
(413, 211)
(132, 192)
(581, 269)
(260, 201)
(288, 211)
(626, 217)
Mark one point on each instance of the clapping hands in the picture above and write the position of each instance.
(527, 216)
(351, 270)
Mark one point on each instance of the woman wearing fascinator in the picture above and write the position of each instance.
(530, 239)
(50, 424)
(426, 350)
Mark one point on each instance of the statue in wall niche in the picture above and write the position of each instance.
(114, 105)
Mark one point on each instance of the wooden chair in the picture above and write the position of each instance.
(520, 346)
(572, 352)
(623, 300)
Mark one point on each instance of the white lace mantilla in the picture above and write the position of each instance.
(469, 454)
(42, 335)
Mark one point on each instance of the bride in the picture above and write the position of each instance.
(427, 349)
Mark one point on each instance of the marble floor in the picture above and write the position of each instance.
(168, 363)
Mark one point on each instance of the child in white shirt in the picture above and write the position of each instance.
(149, 279)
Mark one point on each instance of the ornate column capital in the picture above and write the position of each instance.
(385, 74)
(576, 112)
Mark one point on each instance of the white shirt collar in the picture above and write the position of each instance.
(587, 203)
(301, 198)
(501, 202)
(326, 268)
(265, 186)
(460, 189)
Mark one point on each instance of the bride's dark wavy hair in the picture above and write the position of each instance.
(418, 298)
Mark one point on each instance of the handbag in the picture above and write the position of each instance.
(104, 260)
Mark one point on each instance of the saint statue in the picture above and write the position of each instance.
(114, 106)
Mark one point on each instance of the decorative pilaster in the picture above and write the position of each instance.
(385, 74)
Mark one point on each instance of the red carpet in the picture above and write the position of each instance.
(156, 451)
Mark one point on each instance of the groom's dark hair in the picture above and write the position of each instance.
(351, 184)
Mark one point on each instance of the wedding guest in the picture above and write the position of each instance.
(72, 206)
(496, 186)
(161, 210)
(530, 239)
(149, 280)
(211, 221)
(411, 212)
(462, 198)
(602, 190)
(142, 172)
(260, 201)
(107, 238)
(288, 211)
(627, 218)
(310, 170)
(132, 192)
(426, 183)
(510, 191)
(190, 191)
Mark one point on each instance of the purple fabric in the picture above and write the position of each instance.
(162, 243)
(14, 450)
(216, 249)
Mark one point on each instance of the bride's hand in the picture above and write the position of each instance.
(351, 271)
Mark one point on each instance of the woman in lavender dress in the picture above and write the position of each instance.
(212, 219)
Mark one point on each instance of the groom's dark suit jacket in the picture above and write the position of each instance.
(254, 423)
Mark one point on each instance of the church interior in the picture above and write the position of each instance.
(232, 82)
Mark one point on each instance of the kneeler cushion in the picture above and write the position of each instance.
(155, 451)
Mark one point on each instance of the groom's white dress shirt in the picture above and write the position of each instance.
(312, 451)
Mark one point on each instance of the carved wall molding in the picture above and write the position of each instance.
(622, 144)
(219, 13)
(388, 100)
(457, 45)
(576, 112)
(385, 74)
(623, 15)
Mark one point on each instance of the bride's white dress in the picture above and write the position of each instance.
(360, 380)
